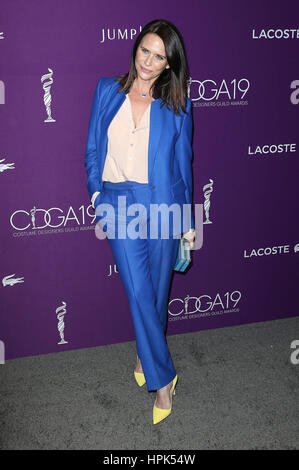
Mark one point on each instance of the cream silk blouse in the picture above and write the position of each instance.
(127, 150)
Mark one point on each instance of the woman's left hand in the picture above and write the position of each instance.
(190, 236)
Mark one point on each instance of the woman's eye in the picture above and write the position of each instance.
(146, 51)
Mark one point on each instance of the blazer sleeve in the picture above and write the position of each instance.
(183, 150)
(90, 161)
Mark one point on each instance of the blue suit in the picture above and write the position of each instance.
(169, 152)
(145, 265)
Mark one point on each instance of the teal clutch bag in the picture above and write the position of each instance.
(184, 256)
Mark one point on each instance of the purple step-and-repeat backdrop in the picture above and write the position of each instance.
(60, 289)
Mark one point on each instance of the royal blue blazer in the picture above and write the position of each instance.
(169, 151)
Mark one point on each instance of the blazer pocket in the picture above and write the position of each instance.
(178, 188)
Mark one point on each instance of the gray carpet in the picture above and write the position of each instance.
(237, 389)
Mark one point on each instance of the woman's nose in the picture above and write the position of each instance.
(148, 60)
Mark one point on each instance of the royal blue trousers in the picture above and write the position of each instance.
(145, 266)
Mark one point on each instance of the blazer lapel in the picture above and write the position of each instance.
(154, 133)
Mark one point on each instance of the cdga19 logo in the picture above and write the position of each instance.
(209, 90)
(203, 303)
(54, 217)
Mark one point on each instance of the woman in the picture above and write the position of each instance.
(139, 147)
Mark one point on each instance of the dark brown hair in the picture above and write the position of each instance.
(171, 84)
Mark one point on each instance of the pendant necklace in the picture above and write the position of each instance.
(142, 94)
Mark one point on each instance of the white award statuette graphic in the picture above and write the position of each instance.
(32, 213)
(47, 94)
(61, 311)
(208, 188)
(186, 299)
(9, 281)
(6, 166)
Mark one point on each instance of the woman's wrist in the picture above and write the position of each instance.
(191, 230)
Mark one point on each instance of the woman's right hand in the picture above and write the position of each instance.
(190, 236)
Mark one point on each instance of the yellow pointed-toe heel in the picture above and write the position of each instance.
(159, 413)
(139, 377)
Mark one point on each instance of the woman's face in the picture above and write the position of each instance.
(150, 60)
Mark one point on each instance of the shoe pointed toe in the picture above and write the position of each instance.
(160, 413)
(139, 377)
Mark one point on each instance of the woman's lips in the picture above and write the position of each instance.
(145, 70)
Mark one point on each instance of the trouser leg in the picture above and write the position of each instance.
(146, 290)
(132, 260)
(162, 256)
